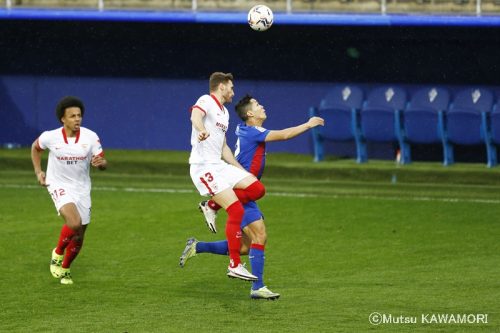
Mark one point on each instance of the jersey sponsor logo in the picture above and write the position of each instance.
(221, 126)
(71, 158)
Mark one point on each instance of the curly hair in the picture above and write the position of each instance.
(68, 102)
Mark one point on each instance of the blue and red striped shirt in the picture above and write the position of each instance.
(251, 148)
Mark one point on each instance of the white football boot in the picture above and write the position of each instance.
(210, 216)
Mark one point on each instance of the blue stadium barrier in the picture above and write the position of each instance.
(145, 113)
(347, 19)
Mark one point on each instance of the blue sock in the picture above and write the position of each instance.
(219, 247)
(257, 258)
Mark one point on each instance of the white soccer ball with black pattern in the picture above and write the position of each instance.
(260, 18)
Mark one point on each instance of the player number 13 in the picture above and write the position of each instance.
(208, 177)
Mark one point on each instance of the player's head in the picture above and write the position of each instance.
(67, 103)
(222, 84)
(248, 108)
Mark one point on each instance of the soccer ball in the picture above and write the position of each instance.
(260, 18)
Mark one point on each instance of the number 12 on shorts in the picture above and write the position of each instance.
(57, 193)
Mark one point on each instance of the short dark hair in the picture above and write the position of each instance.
(242, 107)
(218, 78)
(68, 102)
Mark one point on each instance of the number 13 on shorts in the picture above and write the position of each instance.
(207, 179)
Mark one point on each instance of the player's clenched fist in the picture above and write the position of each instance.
(203, 135)
(316, 121)
(98, 162)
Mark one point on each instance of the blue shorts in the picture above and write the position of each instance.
(252, 214)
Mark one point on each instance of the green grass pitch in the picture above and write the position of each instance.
(344, 242)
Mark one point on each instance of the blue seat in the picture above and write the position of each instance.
(467, 121)
(495, 131)
(423, 119)
(495, 125)
(340, 109)
(381, 117)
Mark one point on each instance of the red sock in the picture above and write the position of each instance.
(253, 192)
(66, 234)
(233, 232)
(257, 246)
(72, 251)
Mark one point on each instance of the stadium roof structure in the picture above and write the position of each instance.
(201, 17)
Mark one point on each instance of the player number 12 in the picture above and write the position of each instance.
(57, 193)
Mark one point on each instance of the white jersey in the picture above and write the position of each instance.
(216, 122)
(69, 158)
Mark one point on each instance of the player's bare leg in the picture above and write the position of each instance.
(245, 244)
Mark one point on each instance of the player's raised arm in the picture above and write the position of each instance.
(36, 159)
(291, 132)
(197, 121)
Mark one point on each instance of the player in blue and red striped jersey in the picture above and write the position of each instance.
(251, 154)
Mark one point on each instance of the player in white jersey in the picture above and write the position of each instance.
(72, 149)
(215, 171)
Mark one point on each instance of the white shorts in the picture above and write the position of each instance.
(211, 179)
(62, 195)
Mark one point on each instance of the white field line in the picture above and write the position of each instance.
(282, 194)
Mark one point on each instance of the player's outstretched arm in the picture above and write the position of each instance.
(291, 132)
(36, 159)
